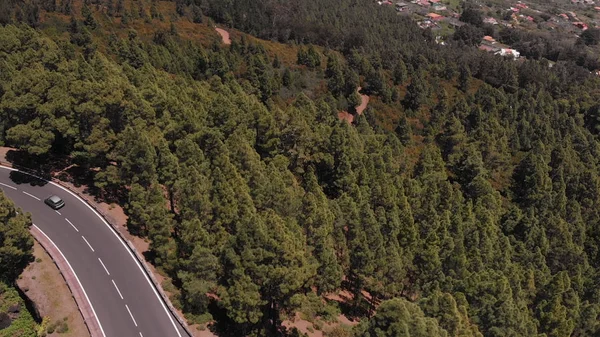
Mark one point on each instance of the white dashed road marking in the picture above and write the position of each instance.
(102, 263)
(113, 281)
(70, 223)
(124, 245)
(86, 241)
(133, 319)
(162, 303)
(33, 196)
(57, 212)
(14, 188)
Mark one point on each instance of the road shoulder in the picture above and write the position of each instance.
(43, 284)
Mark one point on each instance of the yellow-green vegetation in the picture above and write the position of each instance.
(58, 326)
(41, 331)
(462, 202)
(15, 253)
(15, 320)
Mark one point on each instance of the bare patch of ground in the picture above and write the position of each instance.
(311, 330)
(224, 35)
(318, 327)
(364, 103)
(44, 285)
(3, 151)
(346, 116)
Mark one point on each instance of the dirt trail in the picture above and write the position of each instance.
(311, 330)
(364, 102)
(224, 35)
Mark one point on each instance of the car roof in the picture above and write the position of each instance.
(55, 199)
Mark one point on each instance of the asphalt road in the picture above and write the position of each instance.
(120, 293)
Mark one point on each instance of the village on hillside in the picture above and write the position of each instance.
(569, 18)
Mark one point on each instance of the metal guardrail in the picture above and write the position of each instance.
(111, 221)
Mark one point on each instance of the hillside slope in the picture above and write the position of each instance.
(464, 201)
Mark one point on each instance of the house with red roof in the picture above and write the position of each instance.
(435, 16)
(489, 39)
(581, 25)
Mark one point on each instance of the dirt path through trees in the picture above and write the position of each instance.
(364, 102)
(224, 35)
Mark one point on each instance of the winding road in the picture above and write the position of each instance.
(122, 296)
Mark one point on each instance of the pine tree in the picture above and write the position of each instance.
(400, 74)
(464, 76)
(287, 77)
(417, 93)
(374, 82)
(451, 315)
(335, 75)
(167, 169)
(200, 268)
(160, 227)
(88, 18)
(553, 314)
(398, 317)
(317, 221)
(16, 243)
(137, 216)
(532, 184)
(403, 131)
(313, 57)
(136, 157)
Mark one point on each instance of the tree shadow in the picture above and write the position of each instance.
(150, 256)
(224, 326)
(78, 176)
(61, 168)
(24, 178)
(33, 164)
(5, 320)
(30, 306)
(354, 307)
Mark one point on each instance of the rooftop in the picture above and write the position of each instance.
(434, 15)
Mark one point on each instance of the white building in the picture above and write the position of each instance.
(508, 52)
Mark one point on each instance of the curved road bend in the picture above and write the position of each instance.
(125, 302)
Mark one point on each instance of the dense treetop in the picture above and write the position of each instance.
(464, 202)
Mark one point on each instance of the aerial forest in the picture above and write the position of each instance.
(464, 201)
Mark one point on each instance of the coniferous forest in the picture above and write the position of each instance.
(464, 201)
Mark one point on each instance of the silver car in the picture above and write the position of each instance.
(55, 202)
